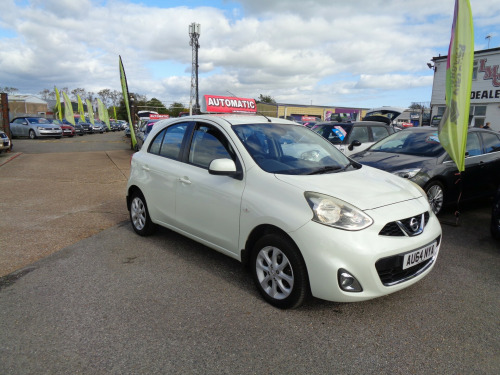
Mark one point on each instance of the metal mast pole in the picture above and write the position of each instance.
(194, 35)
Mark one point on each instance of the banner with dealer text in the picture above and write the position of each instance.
(455, 121)
(123, 80)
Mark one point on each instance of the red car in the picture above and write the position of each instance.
(67, 130)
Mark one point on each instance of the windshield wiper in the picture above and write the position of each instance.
(326, 169)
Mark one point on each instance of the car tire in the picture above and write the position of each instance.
(32, 134)
(139, 215)
(435, 194)
(279, 271)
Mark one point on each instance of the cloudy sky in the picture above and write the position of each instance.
(357, 53)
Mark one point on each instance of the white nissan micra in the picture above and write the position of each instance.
(282, 199)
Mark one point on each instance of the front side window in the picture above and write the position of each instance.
(208, 144)
(359, 133)
(473, 147)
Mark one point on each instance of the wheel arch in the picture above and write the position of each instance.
(257, 233)
(131, 190)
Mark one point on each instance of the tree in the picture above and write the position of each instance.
(47, 94)
(9, 90)
(266, 99)
(105, 96)
(175, 108)
(77, 92)
(156, 105)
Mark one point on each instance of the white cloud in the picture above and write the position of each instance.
(330, 52)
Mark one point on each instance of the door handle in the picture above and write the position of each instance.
(146, 168)
(185, 180)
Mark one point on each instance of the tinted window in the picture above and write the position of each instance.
(379, 132)
(171, 145)
(154, 147)
(491, 142)
(208, 144)
(473, 146)
(168, 142)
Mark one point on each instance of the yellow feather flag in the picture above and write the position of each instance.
(58, 103)
(123, 80)
(455, 122)
(68, 109)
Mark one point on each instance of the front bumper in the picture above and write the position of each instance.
(49, 133)
(326, 250)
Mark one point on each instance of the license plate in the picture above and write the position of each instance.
(419, 256)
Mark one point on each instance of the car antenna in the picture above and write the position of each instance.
(259, 113)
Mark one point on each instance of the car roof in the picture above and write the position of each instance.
(237, 119)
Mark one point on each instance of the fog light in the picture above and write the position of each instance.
(348, 282)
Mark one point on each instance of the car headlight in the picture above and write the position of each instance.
(407, 173)
(336, 213)
(40, 128)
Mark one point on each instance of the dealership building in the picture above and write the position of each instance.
(485, 91)
(298, 112)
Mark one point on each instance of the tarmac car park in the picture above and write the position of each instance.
(280, 198)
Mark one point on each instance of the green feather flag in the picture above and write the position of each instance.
(68, 109)
(58, 98)
(123, 80)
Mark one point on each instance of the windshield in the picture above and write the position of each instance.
(335, 133)
(38, 120)
(290, 149)
(410, 143)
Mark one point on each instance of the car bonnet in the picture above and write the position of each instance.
(366, 188)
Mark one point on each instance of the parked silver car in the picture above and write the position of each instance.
(34, 127)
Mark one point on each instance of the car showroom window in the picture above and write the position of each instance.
(208, 144)
(491, 142)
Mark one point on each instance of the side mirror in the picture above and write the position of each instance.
(353, 144)
(224, 167)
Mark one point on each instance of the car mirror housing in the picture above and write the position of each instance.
(224, 167)
(354, 143)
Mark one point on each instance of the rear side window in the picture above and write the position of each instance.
(168, 142)
(491, 142)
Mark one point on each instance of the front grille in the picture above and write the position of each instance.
(391, 272)
(404, 227)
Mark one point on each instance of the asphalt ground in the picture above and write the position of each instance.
(111, 302)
